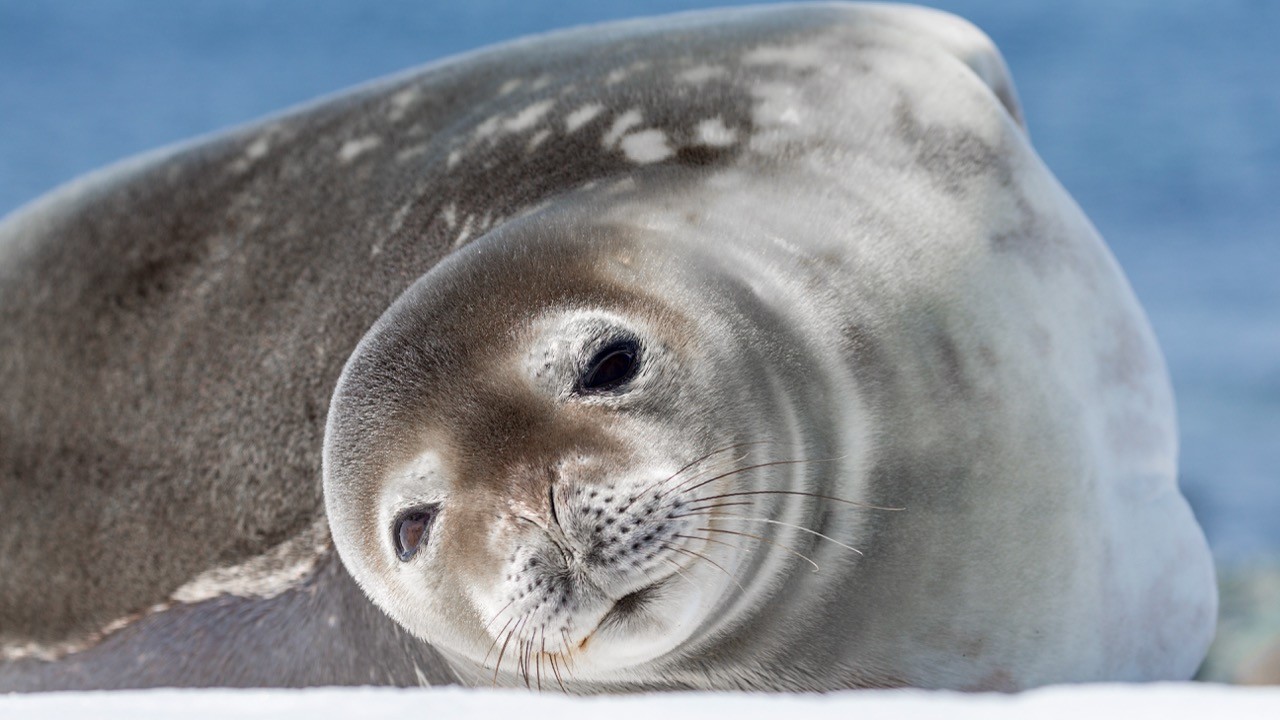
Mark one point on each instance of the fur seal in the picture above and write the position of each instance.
(742, 349)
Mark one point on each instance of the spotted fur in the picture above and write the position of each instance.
(856, 287)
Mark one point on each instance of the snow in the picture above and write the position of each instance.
(1094, 702)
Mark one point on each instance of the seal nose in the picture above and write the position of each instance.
(551, 502)
(615, 531)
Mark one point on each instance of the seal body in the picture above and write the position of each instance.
(745, 349)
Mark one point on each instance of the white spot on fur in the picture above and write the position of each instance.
(798, 57)
(582, 116)
(397, 222)
(701, 73)
(487, 128)
(356, 147)
(778, 105)
(252, 153)
(281, 568)
(401, 101)
(257, 148)
(537, 139)
(621, 125)
(646, 146)
(509, 86)
(714, 133)
(455, 156)
(528, 117)
(450, 215)
(465, 233)
(12, 652)
(617, 76)
(624, 185)
(410, 153)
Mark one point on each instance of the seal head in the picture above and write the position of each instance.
(530, 447)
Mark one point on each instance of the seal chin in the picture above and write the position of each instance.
(640, 627)
(554, 486)
(630, 605)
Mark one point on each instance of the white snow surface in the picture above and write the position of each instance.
(1090, 702)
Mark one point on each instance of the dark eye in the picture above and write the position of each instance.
(413, 529)
(613, 366)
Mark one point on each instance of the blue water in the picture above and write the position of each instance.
(1162, 117)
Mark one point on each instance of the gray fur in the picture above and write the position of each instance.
(323, 632)
(172, 331)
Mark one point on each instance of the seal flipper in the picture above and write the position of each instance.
(321, 632)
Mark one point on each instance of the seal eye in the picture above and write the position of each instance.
(413, 528)
(613, 366)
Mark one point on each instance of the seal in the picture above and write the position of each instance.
(746, 349)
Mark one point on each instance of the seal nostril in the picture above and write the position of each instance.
(413, 529)
(551, 499)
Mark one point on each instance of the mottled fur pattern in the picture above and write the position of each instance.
(835, 206)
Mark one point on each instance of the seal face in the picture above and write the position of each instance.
(577, 457)
(750, 349)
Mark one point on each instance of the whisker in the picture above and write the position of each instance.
(518, 653)
(774, 522)
(522, 660)
(703, 472)
(744, 493)
(503, 652)
(497, 636)
(676, 567)
(719, 505)
(497, 614)
(798, 554)
(556, 670)
(696, 554)
(690, 464)
(526, 648)
(757, 466)
(528, 664)
(522, 665)
(543, 651)
(568, 647)
(498, 664)
(709, 539)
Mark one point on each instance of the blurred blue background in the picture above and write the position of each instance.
(1162, 117)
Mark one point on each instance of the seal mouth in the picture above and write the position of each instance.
(628, 606)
